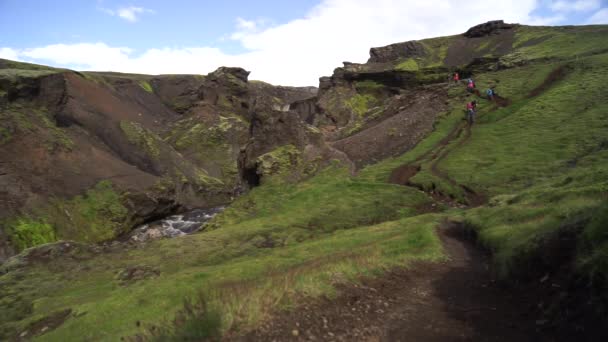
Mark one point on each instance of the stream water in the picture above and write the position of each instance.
(174, 226)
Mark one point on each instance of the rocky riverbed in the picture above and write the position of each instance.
(175, 225)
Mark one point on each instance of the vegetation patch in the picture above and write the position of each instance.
(141, 137)
(409, 64)
(96, 216)
(368, 86)
(145, 85)
(27, 232)
(279, 161)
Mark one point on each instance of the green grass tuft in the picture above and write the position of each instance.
(27, 232)
(142, 137)
(145, 85)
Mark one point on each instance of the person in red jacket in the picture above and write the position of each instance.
(471, 86)
(471, 107)
(456, 77)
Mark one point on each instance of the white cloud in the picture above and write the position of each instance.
(131, 13)
(247, 25)
(302, 50)
(83, 55)
(577, 5)
(8, 53)
(600, 17)
(546, 21)
(106, 10)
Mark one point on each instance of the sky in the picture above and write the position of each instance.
(281, 42)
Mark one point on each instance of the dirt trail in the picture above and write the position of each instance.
(437, 153)
(457, 300)
(404, 173)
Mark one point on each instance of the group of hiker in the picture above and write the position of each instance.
(472, 105)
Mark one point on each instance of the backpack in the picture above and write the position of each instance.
(490, 92)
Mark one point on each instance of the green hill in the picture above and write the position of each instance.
(529, 178)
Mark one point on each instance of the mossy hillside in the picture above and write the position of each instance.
(334, 102)
(517, 227)
(537, 137)
(515, 84)
(275, 244)
(17, 75)
(8, 64)
(409, 64)
(364, 107)
(177, 171)
(543, 158)
(141, 137)
(312, 204)
(96, 216)
(98, 78)
(593, 259)
(26, 232)
(21, 119)
(564, 42)
(214, 146)
(145, 85)
(279, 161)
(283, 240)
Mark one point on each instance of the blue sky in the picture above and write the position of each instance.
(163, 23)
(288, 42)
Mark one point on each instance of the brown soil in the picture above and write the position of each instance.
(411, 121)
(464, 50)
(457, 300)
(402, 174)
(46, 324)
(553, 77)
(435, 155)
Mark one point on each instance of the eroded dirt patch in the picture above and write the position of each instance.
(457, 300)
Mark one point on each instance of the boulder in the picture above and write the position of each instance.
(486, 29)
(397, 51)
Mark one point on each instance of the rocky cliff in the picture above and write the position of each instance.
(74, 143)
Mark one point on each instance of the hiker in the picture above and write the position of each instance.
(471, 86)
(456, 77)
(490, 93)
(471, 106)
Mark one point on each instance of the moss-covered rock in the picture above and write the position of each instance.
(279, 161)
(96, 216)
(141, 137)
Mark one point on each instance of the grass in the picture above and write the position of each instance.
(542, 161)
(279, 161)
(594, 244)
(409, 64)
(17, 119)
(523, 143)
(360, 104)
(213, 145)
(278, 243)
(27, 232)
(145, 85)
(142, 138)
(99, 210)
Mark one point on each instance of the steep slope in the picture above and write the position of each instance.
(528, 179)
(153, 144)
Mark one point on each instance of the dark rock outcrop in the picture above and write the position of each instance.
(393, 52)
(306, 109)
(489, 28)
(164, 142)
